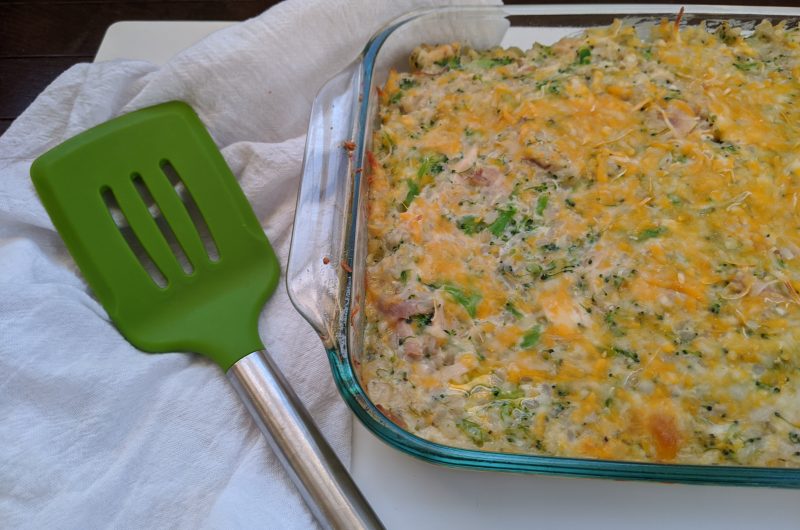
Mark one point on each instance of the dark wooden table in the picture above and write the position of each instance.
(39, 39)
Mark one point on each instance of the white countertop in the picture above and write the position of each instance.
(409, 493)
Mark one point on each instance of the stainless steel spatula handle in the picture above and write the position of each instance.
(323, 481)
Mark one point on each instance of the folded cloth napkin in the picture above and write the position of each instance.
(95, 434)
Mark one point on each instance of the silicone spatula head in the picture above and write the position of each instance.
(162, 232)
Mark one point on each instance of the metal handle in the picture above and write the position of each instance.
(323, 481)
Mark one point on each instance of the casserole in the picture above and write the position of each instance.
(327, 260)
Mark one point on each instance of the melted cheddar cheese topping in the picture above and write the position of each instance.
(592, 249)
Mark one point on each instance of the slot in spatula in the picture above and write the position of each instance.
(170, 246)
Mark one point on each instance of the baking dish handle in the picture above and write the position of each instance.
(314, 275)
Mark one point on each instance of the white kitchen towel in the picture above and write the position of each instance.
(93, 433)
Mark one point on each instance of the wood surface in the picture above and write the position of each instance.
(39, 39)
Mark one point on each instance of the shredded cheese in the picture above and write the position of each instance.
(592, 249)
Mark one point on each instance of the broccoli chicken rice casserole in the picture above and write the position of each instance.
(591, 249)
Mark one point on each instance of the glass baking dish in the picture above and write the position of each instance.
(326, 271)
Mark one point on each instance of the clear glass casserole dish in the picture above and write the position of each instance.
(327, 264)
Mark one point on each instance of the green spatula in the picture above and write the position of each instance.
(173, 251)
